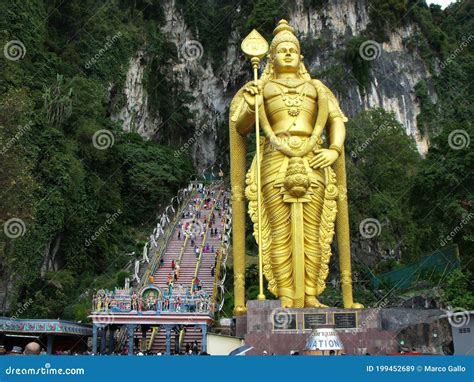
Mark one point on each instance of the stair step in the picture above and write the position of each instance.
(187, 270)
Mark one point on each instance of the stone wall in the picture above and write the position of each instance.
(377, 332)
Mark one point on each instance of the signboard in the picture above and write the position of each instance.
(345, 320)
(313, 320)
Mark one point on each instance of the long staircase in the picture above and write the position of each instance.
(182, 252)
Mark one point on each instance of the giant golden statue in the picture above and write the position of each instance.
(299, 171)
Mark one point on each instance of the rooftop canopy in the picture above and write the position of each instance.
(36, 326)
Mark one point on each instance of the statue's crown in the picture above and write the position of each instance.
(283, 32)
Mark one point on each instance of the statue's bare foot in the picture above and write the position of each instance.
(286, 302)
(356, 305)
(313, 302)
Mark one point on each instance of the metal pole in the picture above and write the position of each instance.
(261, 296)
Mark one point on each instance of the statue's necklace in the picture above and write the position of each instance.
(293, 103)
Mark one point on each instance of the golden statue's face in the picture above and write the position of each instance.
(286, 58)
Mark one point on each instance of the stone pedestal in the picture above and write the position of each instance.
(269, 327)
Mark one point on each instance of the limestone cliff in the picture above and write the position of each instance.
(396, 67)
(135, 114)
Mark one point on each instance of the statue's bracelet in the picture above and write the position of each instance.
(336, 148)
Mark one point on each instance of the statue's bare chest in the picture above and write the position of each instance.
(291, 108)
(291, 91)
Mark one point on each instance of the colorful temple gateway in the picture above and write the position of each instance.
(148, 312)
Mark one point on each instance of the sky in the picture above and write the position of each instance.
(443, 3)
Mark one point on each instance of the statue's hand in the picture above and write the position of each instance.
(250, 92)
(323, 158)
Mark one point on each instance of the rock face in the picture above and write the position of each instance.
(421, 330)
(395, 69)
(135, 114)
(197, 77)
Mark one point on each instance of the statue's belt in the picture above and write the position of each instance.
(293, 142)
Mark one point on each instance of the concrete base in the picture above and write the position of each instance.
(268, 327)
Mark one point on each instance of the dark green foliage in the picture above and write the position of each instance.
(314, 4)
(311, 46)
(263, 15)
(382, 165)
(83, 208)
(121, 276)
(458, 291)
(443, 191)
(211, 23)
(336, 78)
(425, 120)
(360, 67)
(385, 16)
(16, 180)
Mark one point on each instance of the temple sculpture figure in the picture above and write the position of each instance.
(302, 179)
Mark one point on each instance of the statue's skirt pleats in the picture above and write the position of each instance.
(279, 219)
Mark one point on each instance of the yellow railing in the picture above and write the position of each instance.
(218, 264)
(152, 337)
(182, 334)
(198, 263)
(183, 248)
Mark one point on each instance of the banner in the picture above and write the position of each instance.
(245, 368)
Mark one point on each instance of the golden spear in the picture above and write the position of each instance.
(256, 47)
